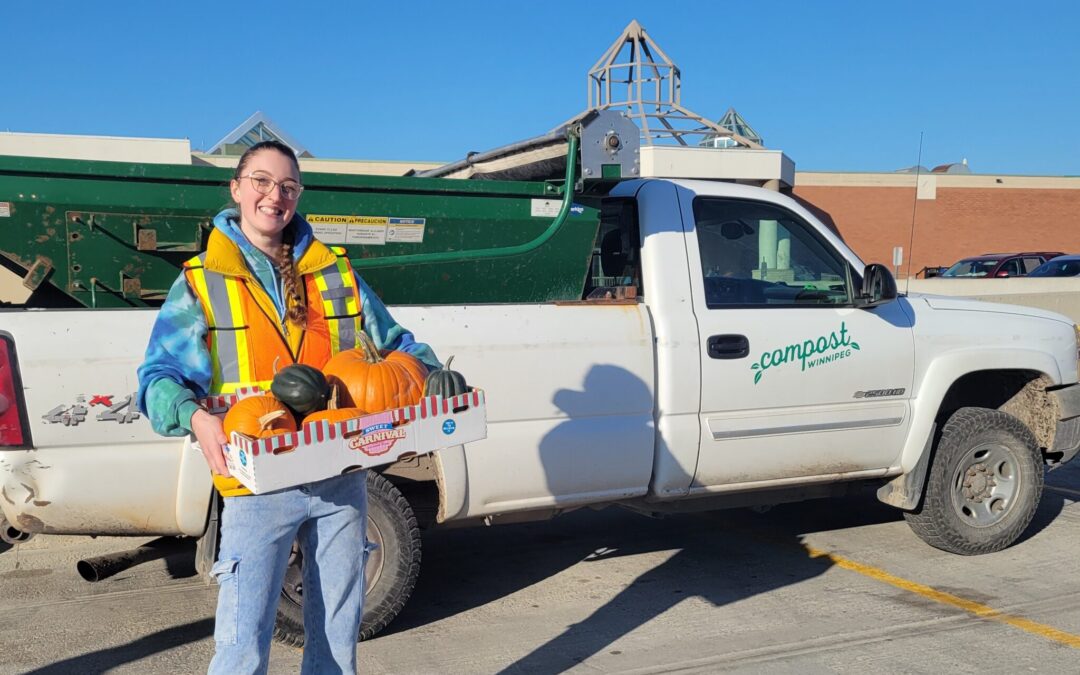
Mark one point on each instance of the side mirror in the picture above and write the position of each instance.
(878, 287)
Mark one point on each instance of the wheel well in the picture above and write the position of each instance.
(415, 478)
(1021, 393)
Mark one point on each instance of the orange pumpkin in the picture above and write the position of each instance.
(333, 413)
(334, 416)
(259, 417)
(374, 380)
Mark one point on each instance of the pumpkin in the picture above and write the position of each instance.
(259, 417)
(301, 388)
(445, 382)
(333, 413)
(374, 380)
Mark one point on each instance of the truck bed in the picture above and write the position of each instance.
(557, 376)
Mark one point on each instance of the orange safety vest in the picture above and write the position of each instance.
(247, 341)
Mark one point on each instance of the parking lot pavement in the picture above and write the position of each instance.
(832, 586)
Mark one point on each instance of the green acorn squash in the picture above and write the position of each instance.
(302, 388)
(445, 382)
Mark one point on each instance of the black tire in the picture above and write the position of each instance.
(391, 569)
(984, 486)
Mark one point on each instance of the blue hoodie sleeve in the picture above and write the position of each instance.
(177, 368)
(387, 333)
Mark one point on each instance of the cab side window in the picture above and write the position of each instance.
(756, 255)
(615, 269)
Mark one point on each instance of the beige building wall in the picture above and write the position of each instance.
(318, 165)
(176, 151)
(101, 148)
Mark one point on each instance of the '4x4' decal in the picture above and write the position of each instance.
(120, 412)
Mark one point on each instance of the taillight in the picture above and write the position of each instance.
(13, 426)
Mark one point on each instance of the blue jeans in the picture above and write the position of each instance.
(257, 531)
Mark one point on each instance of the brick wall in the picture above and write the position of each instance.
(960, 222)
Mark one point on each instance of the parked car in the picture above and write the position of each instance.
(1061, 266)
(1000, 264)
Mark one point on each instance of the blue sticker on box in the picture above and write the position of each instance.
(448, 427)
(243, 458)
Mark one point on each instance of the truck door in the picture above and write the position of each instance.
(796, 381)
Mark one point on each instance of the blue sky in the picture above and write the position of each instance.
(839, 86)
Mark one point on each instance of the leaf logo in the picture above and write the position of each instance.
(809, 353)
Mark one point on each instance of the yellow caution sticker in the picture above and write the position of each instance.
(366, 230)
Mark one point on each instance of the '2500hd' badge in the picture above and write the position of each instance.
(377, 439)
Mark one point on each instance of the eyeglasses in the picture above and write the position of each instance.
(290, 189)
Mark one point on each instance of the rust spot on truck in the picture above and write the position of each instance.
(28, 523)
(42, 502)
(9, 500)
(812, 471)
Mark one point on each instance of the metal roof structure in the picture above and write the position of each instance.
(253, 130)
(636, 77)
(732, 121)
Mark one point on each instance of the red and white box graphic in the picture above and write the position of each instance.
(320, 450)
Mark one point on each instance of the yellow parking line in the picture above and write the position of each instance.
(978, 609)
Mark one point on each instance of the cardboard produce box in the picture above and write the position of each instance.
(321, 450)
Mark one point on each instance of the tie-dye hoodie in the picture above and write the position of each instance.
(177, 369)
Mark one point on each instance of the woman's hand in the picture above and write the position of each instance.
(211, 436)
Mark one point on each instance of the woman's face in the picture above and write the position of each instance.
(265, 215)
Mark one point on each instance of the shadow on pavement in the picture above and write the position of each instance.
(719, 558)
(105, 659)
(1062, 486)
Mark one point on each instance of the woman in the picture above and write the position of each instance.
(266, 293)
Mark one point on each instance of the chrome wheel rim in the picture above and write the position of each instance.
(985, 484)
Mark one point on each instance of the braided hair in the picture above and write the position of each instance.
(295, 306)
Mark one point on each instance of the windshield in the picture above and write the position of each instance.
(1057, 268)
(970, 268)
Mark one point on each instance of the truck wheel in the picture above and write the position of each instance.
(984, 485)
(390, 574)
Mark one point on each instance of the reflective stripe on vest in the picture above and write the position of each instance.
(341, 302)
(220, 297)
(229, 338)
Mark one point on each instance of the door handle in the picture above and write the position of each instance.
(728, 346)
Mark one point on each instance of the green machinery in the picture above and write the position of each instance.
(108, 234)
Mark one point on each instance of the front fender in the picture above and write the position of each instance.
(945, 370)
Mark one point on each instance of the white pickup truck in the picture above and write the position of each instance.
(732, 351)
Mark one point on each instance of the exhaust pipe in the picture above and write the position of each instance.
(11, 535)
(104, 566)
